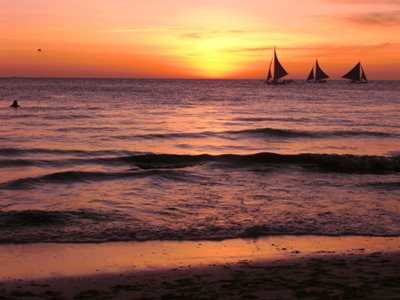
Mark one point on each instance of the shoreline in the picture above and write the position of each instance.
(43, 260)
(284, 267)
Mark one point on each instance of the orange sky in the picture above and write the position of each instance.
(197, 39)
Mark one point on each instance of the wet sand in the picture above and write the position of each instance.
(290, 267)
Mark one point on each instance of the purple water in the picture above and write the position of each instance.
(88, 160)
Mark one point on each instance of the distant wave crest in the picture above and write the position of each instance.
(67, 177)
(262, 132)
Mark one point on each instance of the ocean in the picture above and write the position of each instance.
(96, 160)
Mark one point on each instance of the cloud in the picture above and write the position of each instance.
(252, 49)
(378, 19)
(190, 33)
(391, 18)
(203, 34)
(318, 48)
(133, 30)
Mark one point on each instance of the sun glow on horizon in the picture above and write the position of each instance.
(208, 56)
(188, 39)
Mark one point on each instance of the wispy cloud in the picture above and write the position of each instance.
(133, 30)
(378, 19)
(191, 33)
(204, 34)
(318, 47)
(389, 18)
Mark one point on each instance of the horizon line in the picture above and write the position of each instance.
(166, 78)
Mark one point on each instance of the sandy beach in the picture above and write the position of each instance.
(293, 267)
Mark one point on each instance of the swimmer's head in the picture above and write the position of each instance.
(14, 104)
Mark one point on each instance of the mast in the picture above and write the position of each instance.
(319, 74)
(279, 71)
(311, 75)
(354, 74)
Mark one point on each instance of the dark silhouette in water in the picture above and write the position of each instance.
(279, 72)
(356, 74)
(319, 76)
(15, 104)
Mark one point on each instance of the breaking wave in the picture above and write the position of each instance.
(88, 226)
(170, 166)
(325, 162)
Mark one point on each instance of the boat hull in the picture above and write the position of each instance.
(319, 81)
(282, 82)
(358, 81)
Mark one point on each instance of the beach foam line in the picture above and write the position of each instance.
(39, 261)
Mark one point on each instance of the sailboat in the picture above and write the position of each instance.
(278, 73)
(319, 76)
(357, 74)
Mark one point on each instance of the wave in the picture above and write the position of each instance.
(68, 117)
(221, 134)
(41, 218)
(386, 186)
(291, 133)
(342, 163)
(10, 163)
(265, 132)
(322, 162)
(177, 135)
(84, 176)
(28, 151)
(170, 166)
(274, 132)
(262, 119)
(86, 129)
(85, 225)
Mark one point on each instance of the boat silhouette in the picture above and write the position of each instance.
(316, 74)
(278, 72)
(356, 75)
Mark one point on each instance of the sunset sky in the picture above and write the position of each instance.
(197, 39)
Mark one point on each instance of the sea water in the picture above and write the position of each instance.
(93, 160)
